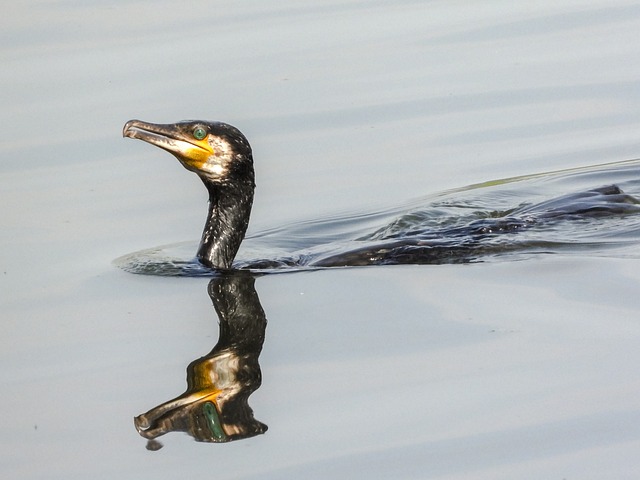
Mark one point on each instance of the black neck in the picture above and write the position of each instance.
(229, 210)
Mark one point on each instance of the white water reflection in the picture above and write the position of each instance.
(501, 370)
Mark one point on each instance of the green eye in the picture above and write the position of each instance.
(199, 133)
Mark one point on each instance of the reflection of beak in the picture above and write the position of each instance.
(191, 152)
(159, 420)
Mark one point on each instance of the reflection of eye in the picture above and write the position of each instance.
(199, 133)
(211, 414)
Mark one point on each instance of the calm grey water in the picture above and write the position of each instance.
(522, 368)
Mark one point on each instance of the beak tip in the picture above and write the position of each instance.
(127, 131)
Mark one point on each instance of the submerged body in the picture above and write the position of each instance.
(417, 244)
(221, 156)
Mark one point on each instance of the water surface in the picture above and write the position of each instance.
(516, 367)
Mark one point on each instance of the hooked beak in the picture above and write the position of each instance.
(193, 153)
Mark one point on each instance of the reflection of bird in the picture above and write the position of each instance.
(221, 156)
(215, 407)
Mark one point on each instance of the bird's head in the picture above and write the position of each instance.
(219, 153)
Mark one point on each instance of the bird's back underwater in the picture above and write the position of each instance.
(594, 209)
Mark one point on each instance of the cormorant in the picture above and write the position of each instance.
(221, 156)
